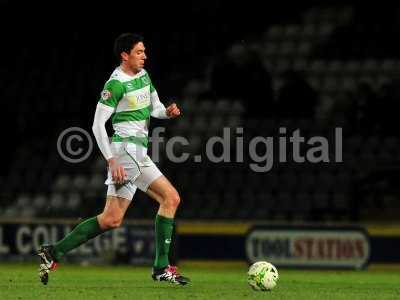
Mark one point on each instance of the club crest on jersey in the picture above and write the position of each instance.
(105, 95)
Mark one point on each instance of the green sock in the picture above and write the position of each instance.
(163, 227)
(85, 231)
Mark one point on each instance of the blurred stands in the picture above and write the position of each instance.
(40, 184)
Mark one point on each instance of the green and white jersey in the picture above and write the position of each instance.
(133, 99)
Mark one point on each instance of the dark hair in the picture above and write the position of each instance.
(125, 42)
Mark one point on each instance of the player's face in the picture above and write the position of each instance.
(135, 59)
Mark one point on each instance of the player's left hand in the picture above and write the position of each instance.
(173, 111)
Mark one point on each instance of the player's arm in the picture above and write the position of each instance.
(102, 114)
(110, 97)
(159, 111)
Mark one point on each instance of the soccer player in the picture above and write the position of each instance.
(130, 98)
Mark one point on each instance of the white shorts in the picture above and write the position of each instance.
(140, 170)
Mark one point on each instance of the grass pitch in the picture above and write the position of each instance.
(20, 281)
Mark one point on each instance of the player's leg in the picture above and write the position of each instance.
(150, 180)
(113, 213)
(166, 195)
(118, 200)
(110, 218)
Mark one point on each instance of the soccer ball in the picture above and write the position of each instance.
(262, 276)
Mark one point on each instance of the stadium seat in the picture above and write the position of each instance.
(271, 50)
(275, 33)
(353, 144)
(96, 182)
(370, 67)
(288, 181)
(340, 204)
(348, 83)
(23, 200)
(79, 182)
(388, 67)
(237, 107)
(325, 30)
(300, 65)
(200, 124)
(193, 89)
(266, 205)
(210, 206)
(330, 84)
(352, 68)
(246, 205)
(304, 205)
(27, 212)
(315, 82)
(216, 123)
(317, 68)
(62, 183)
(307, 181)
(223, 106)
(292, 32)
(39, 202)
(57, 202)
(189, 105)
(282, 65)
(286, 49)
(284, 207)
(303, 49)
(99, 164)
(11, 212)
(321, 203)
(335, 67)
(206, 106)
(73, 202)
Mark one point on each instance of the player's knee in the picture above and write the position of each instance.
(172, 199)
(108, 222)
(113, 223)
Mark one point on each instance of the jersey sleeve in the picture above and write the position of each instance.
(112, 93)
(157, 108)
(152, 88)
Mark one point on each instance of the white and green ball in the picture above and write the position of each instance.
(262, 276)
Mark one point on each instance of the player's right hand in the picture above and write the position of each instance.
(117, 171)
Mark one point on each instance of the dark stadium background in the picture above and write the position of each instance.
(310, 67)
